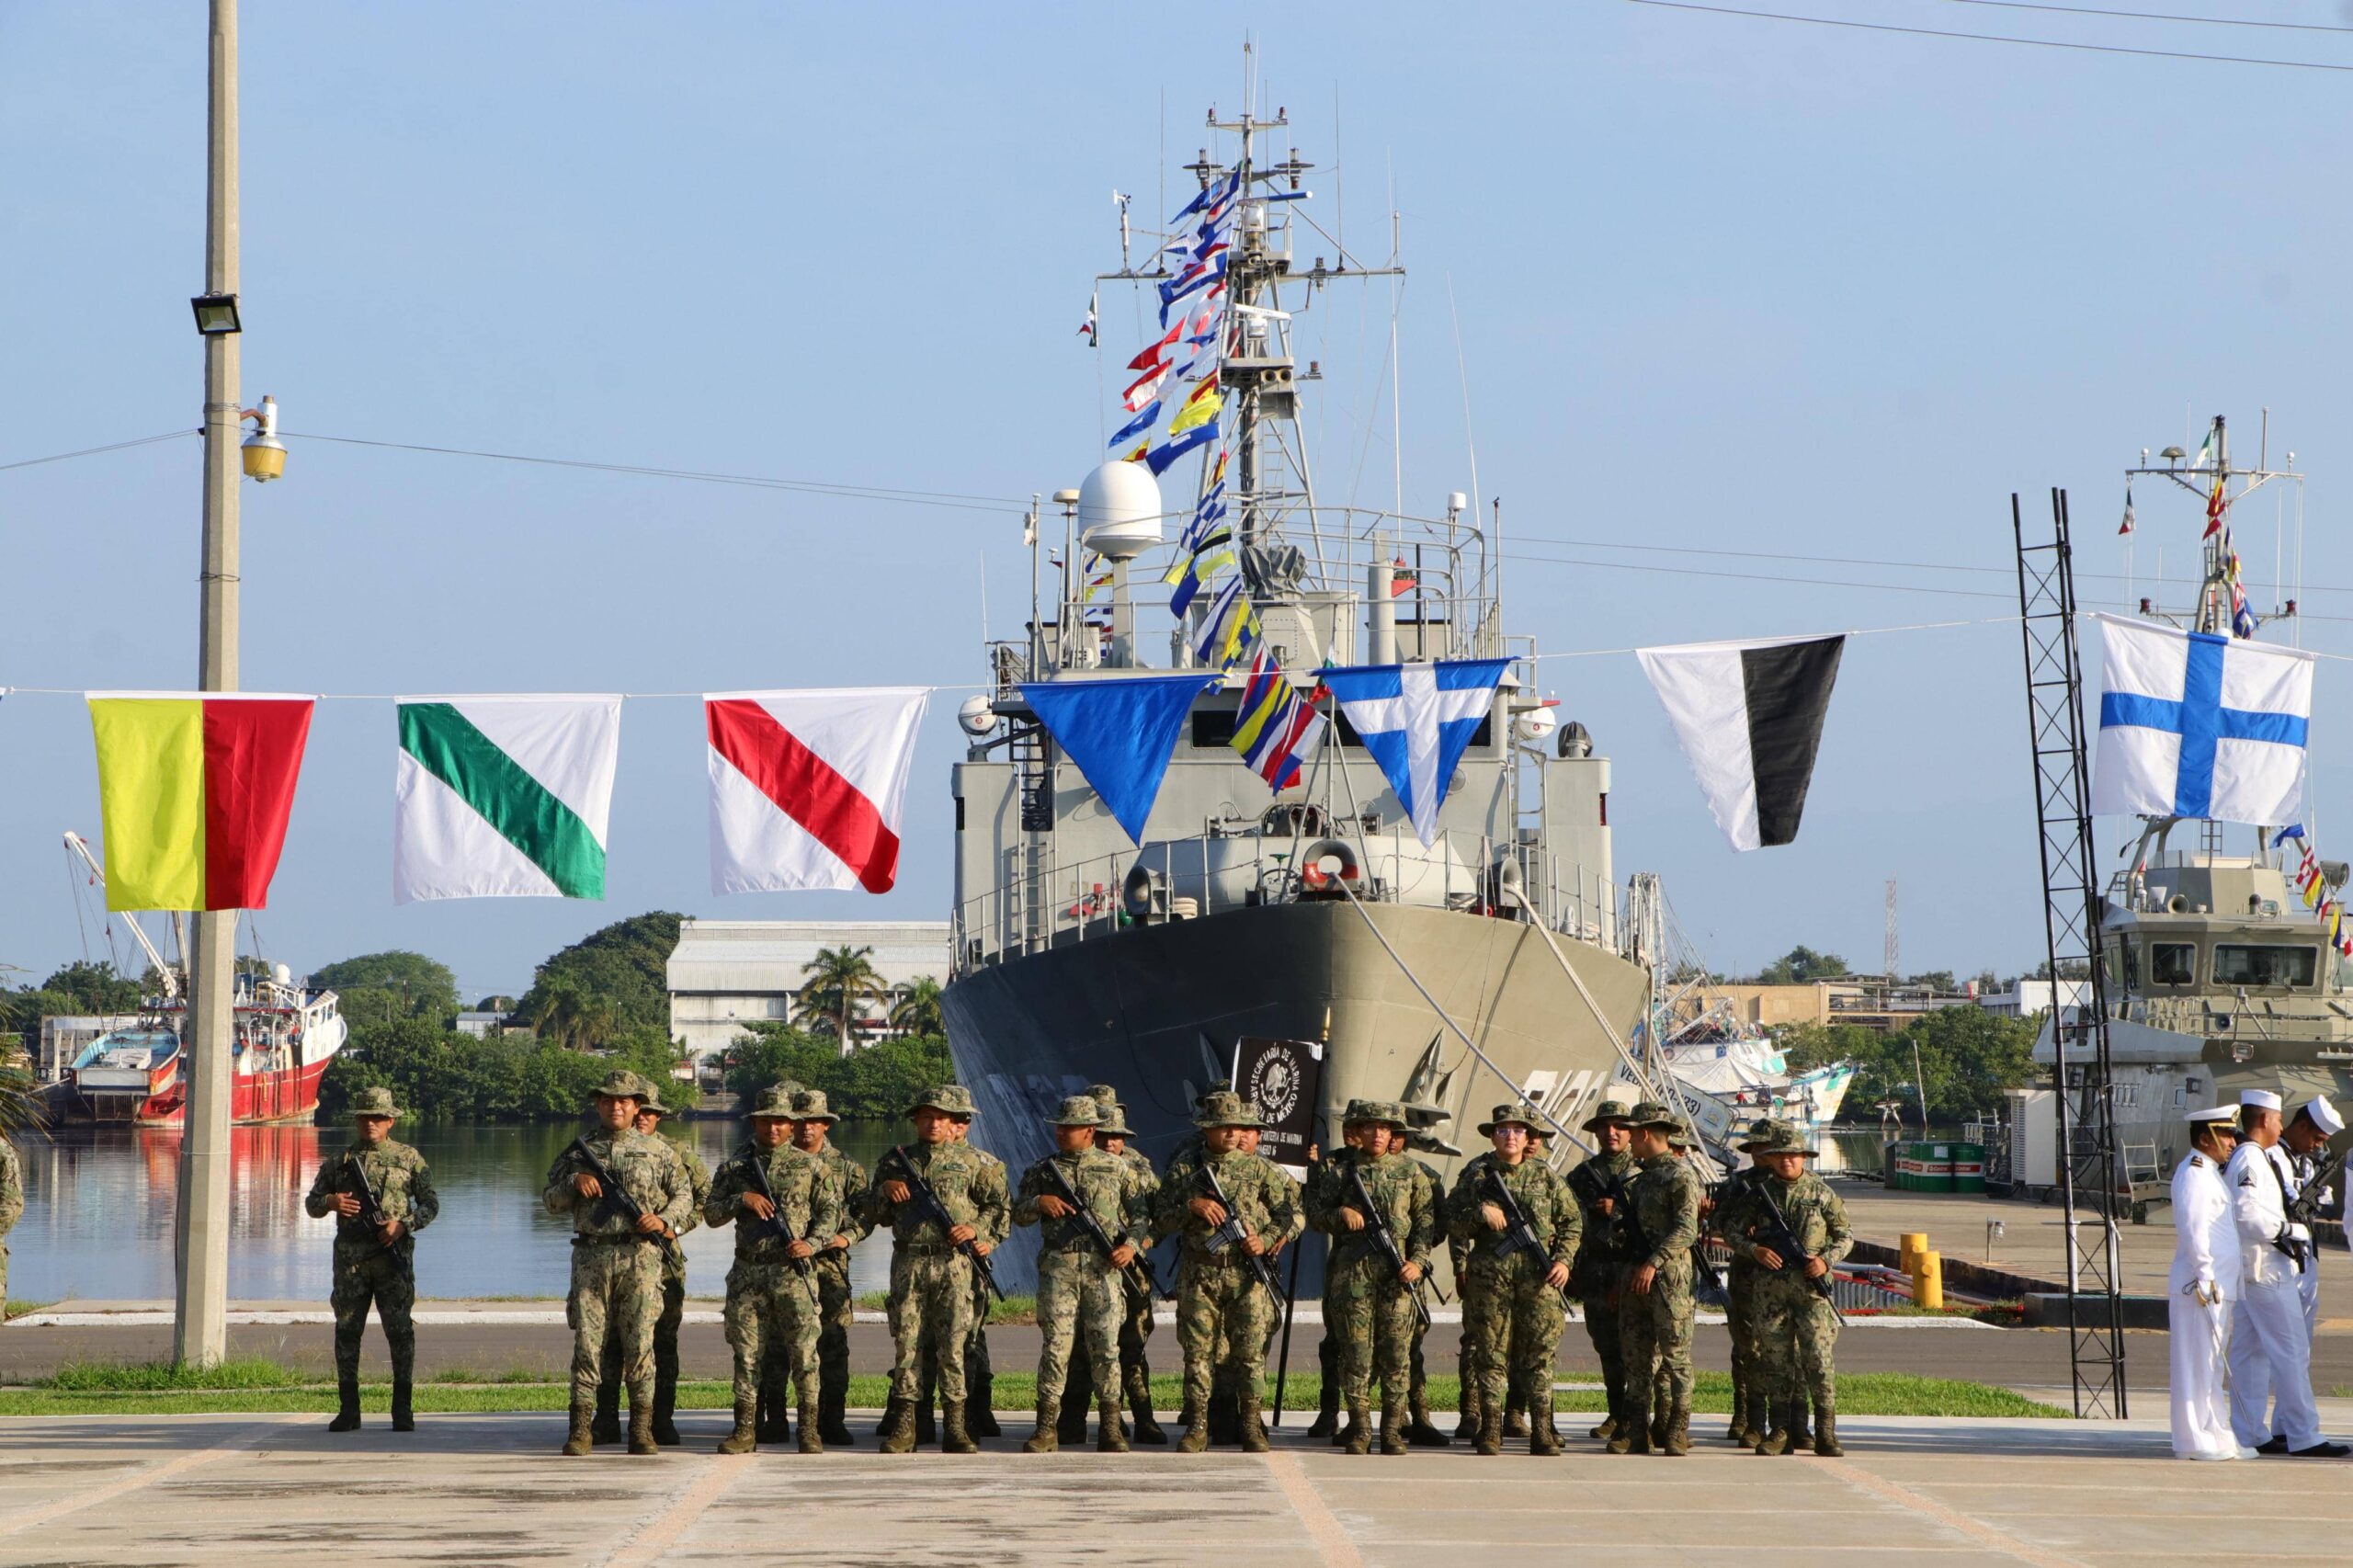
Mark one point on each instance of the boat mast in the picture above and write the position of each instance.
(166, 976)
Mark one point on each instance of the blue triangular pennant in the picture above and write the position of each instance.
(1120, 733)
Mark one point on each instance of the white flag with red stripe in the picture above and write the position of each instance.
(806, 786)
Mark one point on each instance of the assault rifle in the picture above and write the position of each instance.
(927, 1206)
(1518, 1233)
(614, 1196)
(371, 1209)
(773, 1224)
(1782, 1237)
(1384, 1240)
(1708, 1289)
(2305, 1207)
(1232, 1234)
(1139, 1270)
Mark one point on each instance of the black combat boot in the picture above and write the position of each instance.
(953, 1437)
(1224, 1426)
(665, 1409)
(1800, 1424)
(1421, 1431)
(404, 1400)
(1739, 1423)
(979, 1408)
(347, 1404)
(607, 1427)
(833, 1401)
(1327, 1410)
(927, 1425)
(1070, 1422)
(1147, 1430)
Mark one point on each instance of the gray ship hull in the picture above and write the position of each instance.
(1156, 1010)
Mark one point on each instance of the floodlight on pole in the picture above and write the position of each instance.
(216, 314)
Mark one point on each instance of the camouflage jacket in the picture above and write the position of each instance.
(850, 1177)
(12, 1188)
(1400, 1189)
(1265, 1199)
(404, 1187)
(1731, 1198)
(970, 1186)
(1601, 1245)
(647, 1167)
(1666, 1212)
(1144, 1187)
(808, 1199)
(1101, 1182)
(1542, 1195)
(1813, 1209)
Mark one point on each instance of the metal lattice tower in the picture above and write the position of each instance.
(2071, 908)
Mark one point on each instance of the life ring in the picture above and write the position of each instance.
(1315, 876)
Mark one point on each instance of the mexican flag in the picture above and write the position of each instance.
(503, 797)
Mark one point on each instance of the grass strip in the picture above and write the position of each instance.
(264, 1388)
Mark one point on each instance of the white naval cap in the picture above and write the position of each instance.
(2222, 1113)
(2323, 1115)
(2262, 1099)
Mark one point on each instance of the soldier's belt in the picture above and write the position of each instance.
(626, 1240)
(928, 1249)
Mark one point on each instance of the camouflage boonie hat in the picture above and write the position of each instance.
(1362, 1110)
(1785, 1139)
(948, 1099)
(1611, 1112)
(808, 1105)
(377, 1101)
(1201, 1100)
(1681, 1137)
(1079, 1110)
(1102, 1093)
(1523, 1113)
(1758, 1131)
(1223, 1108)
(652, 1103)
(1115, 1121)
(622, 1084)
(775, 1104)
(1650, 1113)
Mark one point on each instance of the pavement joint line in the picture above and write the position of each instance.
(1323, 1526)
(660, 1533)
(1976, 1529)
(148, 1475)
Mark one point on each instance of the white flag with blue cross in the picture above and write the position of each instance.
(2198, 724)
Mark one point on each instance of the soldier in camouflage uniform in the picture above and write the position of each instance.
(774, 1418)
(1655, 1306)
(1722, 1218)
(1420, 1430)
(1080, 1296)
(617, 1265)
(1600, 1264)
(932, 1278)
(812, 1124)
(607, 1427)
(1221, 1310)
(772, 1308)
(1136, 1322)
(1512, 1316)
(1795, 1325)
(371, 1263)
(1368, 1305)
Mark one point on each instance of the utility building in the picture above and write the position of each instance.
(726, 974)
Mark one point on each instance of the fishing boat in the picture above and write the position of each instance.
(1492, 960)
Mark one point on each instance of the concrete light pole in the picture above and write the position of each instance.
(200, 1336)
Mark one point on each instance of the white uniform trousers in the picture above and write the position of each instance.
(2202, 1414)
(2271, 1360)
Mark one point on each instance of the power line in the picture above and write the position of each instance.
(1991, 38)
(2159, 17)
(94, 451)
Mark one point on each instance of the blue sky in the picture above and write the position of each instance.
(1723, 285)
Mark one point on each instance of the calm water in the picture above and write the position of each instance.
(98, 1206)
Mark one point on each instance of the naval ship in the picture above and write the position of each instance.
(2220, 975)
(1316, 913)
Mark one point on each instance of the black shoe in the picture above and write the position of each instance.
(2321, 1451)
(2278, 1445)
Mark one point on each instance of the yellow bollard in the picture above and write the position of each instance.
(1928, 1280)
(1909, 1247)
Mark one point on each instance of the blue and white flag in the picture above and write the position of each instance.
(2196, 724)
(1415, 720)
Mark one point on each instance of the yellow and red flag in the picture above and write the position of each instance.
(194, 789)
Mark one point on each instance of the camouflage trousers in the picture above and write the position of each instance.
(1740, 1327)
(1654, 1333)
(1080, 1301)
(1512, 1322)
(616, 1291)
(1794, 1330)
(1222, 1321)
(837, 1310)
(363, 1274)
(931, 1317)
(665, 1341)
(1597, 1303)
(772, 1321)
(1369, 1313)
(1135, 1327)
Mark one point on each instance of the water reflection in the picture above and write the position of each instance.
(100, 1201)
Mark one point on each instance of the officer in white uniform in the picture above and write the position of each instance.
(2270, 1353)
(2305, 1141)
(2200, 1289)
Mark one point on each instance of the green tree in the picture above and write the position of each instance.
(568, 1016)
(840, 979)
(416, 986)
(625, 964)
(915, 1009)
(94, 988)
(1967, 1058)
(876, 1082)
(1940, 981)
(1803, 966)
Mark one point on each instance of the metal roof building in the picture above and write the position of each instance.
(726, 974)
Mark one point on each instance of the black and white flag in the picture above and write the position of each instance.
(1749, 716)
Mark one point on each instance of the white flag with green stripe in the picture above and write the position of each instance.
(503, 797)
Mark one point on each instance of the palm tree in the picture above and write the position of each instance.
(916, 1010)
(571, 1017)
(840, 979)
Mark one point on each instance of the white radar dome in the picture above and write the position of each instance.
(1119, 510)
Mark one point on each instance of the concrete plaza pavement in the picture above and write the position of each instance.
(256, 1491)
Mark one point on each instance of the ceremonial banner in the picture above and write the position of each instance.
(1120, 733)
(194, 789)
(1749, 716)
(503, 797)
(1415, 720)
(2196, 724)
(1284, 1078)
(806, 787)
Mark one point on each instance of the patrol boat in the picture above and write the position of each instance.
(2220, 976)
(1315, 914)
